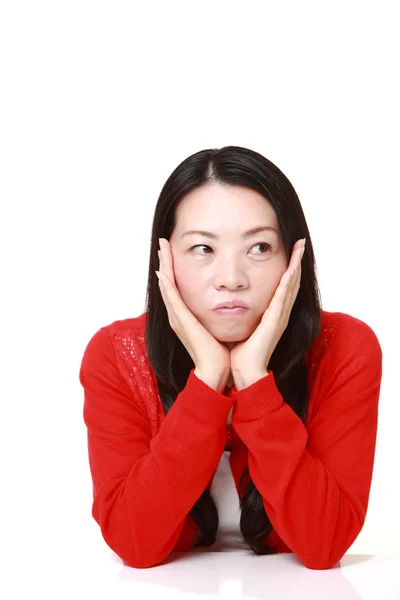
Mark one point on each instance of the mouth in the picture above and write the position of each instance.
(234, 311)
(236, 303)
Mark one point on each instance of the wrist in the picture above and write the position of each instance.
(247, 379)
(216, 381)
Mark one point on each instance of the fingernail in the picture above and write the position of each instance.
(158, 274)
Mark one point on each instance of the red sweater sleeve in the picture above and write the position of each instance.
(315, 484)
(144, 486)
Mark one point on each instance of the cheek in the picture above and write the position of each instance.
(267, 285)
(188, 284)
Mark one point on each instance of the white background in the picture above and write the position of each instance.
(100, 101)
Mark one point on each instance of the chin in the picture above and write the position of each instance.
(227, 332)
(236, 334)
(232, 337)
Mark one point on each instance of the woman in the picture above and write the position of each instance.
(281, 394)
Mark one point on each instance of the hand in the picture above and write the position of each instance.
(211, 358)
(252, 355)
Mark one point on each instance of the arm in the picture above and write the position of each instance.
(315, 483)
(144, 486)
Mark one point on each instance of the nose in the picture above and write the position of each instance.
(229, 274)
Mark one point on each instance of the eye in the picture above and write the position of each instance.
(268, 246)
(199, 246)
(265, 244)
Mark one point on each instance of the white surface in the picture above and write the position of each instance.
(192, 575)
(239, 574)
(223, 491)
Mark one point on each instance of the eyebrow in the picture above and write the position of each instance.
(213, 236)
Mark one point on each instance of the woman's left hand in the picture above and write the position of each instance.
(250, 358)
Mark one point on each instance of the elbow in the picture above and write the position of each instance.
(323, 561)
(131, 542)
(126, 551)
(327, 555)
(122, 545)
(320, 563)
(136, 563)
(328, 560)
(141, 563)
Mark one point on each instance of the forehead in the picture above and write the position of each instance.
(220, 208)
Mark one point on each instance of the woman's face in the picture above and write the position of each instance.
(209, 270)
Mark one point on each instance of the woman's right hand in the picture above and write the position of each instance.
(211, 357)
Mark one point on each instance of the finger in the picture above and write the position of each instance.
(177, 309)
(297, 254)
(293, 283)
(163, 291)
(161, 267)
(170, 305)
(286, 291)
(293, 274)
(166, 258)
(293, 287)
(282, 303)
(168, 279)
(298, 269)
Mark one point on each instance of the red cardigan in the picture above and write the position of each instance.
(148, 469)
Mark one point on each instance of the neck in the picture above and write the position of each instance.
(230, 381)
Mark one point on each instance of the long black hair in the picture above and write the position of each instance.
(234, 165)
